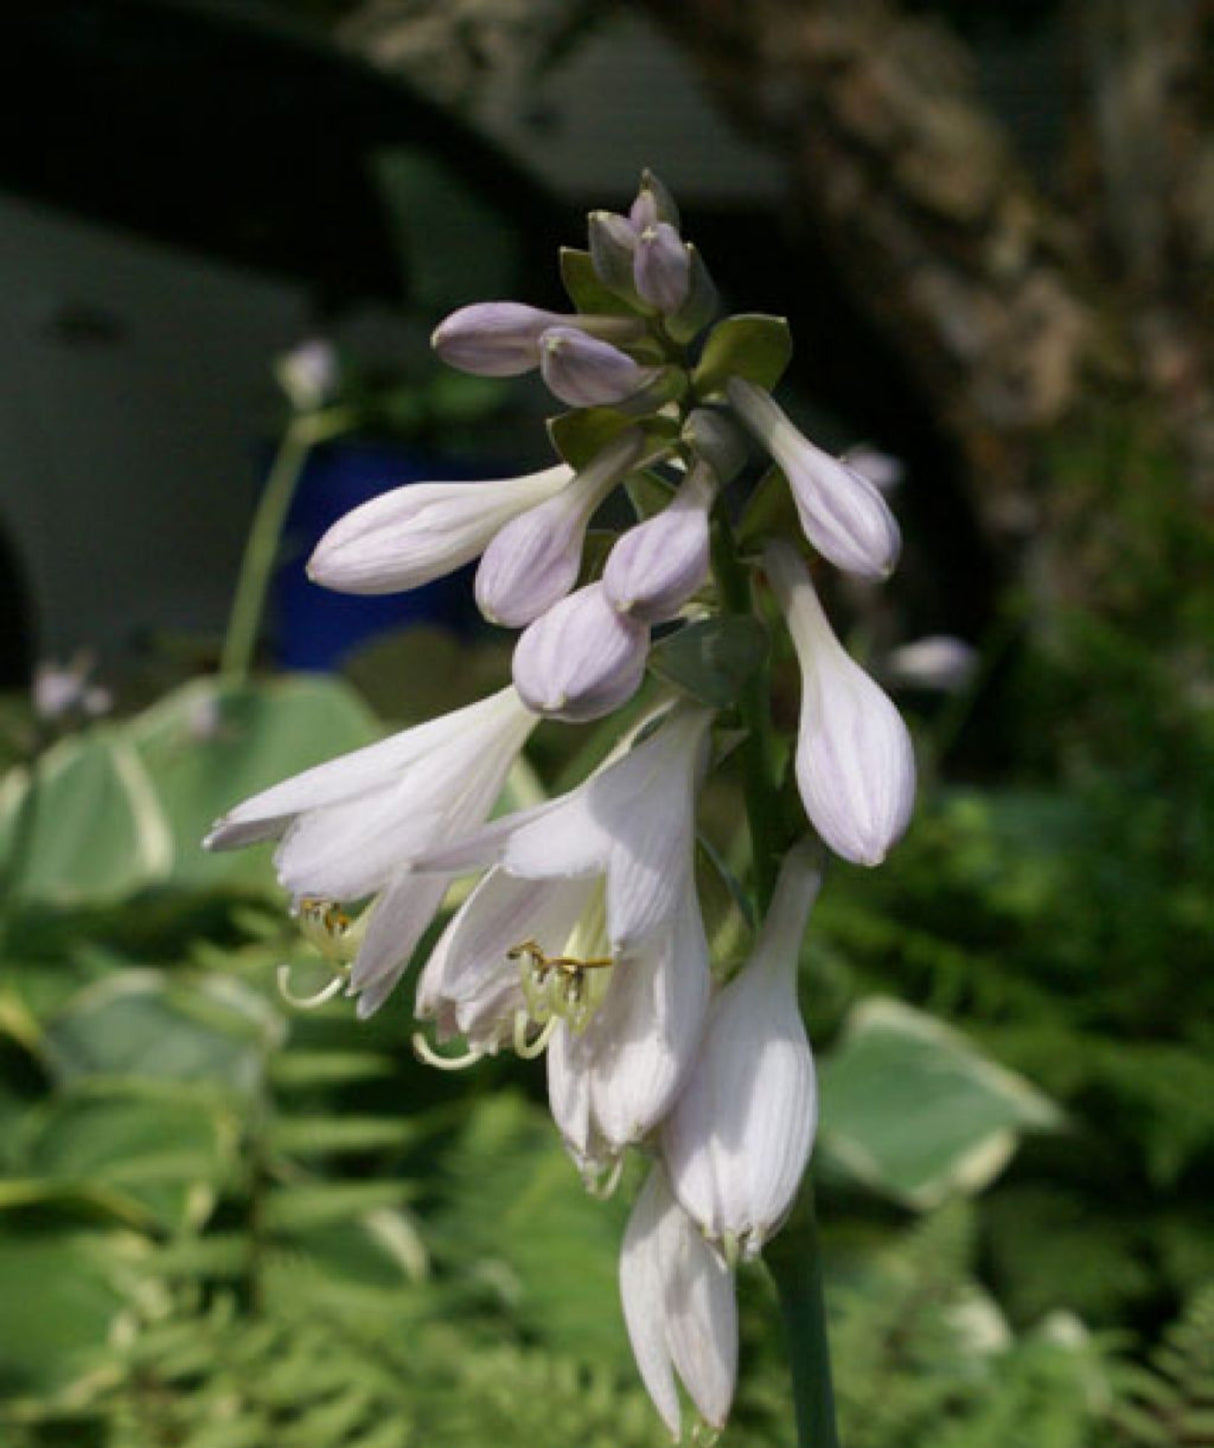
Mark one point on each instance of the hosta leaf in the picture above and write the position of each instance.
(914, 1111)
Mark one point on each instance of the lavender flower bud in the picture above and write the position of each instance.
(613, 243)
(842, 513)
(701, 305)
(654, 203)
(534, 559)
(494, 339)
(662, 267)
(657, 566)
(581, 660)
(855, 763)
(586, 372)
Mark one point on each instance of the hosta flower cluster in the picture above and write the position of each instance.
(582, 939)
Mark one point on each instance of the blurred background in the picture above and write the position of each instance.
(226, 233)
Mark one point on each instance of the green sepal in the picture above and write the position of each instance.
(711, 660)
(579, 436)
(769, 513)
(584, 289)
(701, 305)
(649, 493)
(748, 345)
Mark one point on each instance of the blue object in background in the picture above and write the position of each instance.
(316, 627)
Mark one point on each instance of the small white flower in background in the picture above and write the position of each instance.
(680, 1308)
(349, 829)
(59, 690)
(842, 514)
(422, 531)
(581, 659)
(738, 1140)
(882, 469)
(855, 762)
(533, 561)
(940, 662)
(310, 374)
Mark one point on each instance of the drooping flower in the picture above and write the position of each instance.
(529, 964)
(855, 761)
(533, 560)
(581, 659)
(632, 823)
(679, 1306)
(417, 533)
(349, 829)
(738, 1140)
(843, 515)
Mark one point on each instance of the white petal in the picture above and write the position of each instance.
(422, 531)
(569, 1094)
(855, 760)
(400, 917)
(354, 775)
(739, 1137)
(643, 1295)
(641, 1043)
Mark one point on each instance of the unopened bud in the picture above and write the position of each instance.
(587, 372)
(702, 302)
(657, 566)
(654, 203)
(533, 561)
(842, 513)
(580, 660)
(613, 243)
(662, 267)
(718, 440)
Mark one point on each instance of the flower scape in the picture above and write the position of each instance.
(583, 940)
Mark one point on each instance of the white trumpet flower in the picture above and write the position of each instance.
(680, 1307)
(738, 1140)
(855, 761)
(842, 513)
(349, 829)
(633, 823)
(421, 531)
(534, 560)
(528, 964)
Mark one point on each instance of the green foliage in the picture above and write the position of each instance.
(1172, 1401)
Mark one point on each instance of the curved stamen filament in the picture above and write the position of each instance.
(426, 1053)
(308, 1002)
